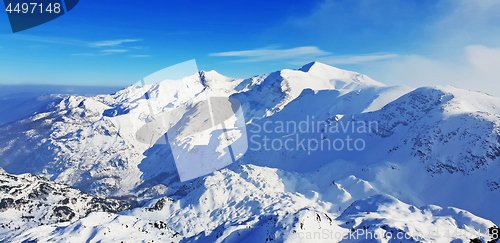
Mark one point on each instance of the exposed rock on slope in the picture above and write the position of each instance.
(27, 201)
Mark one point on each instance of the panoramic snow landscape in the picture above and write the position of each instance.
(329, 156)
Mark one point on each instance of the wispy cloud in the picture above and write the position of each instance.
(461, 49)
(340, 60)
(112, 43)
(103, 53)
(476, 68)
(115, 51)
(468, 21)
(49, 40)
(300, 55)
(84, 54)
(258, 55)
(452, 41)
(140, 55)
(104, 45)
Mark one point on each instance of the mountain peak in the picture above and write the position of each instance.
(326, 71)
(312, 66)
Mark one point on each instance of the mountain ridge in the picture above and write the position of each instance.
(423, 137)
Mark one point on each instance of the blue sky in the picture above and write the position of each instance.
(407, 42)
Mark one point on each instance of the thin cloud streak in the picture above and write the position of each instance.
(84, 54)
(300, 55)
(140, 56)
(73, 42)
(112, 43)
(259, 55)
(49, 40)
(83, 43)
(341, 60)
(115, 51)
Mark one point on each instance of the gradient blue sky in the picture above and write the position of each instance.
(407, 42)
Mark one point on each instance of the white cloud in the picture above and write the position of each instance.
(115, 51)
(301, 55)
(458, 45)
(258, 55)
(414, 70)
(466, 22)
(485, 63)
(341, 60)
(107, 52)
(461, 49)
(485, 60)
(84, 54)
(112, 43)
(475, 69)
(49, 40)
(120, 44)
(73, 42)
(140, 55)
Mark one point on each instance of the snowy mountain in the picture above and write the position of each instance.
(425, 146)
(89, 142)
(28, 201)
(255, 204)
(264, 95)
(435, 145)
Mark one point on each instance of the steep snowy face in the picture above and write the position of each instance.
(267, 94)
(448, 129)
(28, 201)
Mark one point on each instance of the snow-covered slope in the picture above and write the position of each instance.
(395, 221)
(443, 142)
(425, 146)
(264, 95)
(254, 204)
(450, 129)
(28, 201)
(90, 142)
